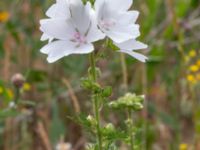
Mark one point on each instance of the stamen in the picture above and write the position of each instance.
(107, 24)
(79, 38)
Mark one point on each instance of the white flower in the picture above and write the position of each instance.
(130, 46)
(63, 146)
(72, 28)
(116, 21)
(12, 104)
(118, 24)
(73, 35)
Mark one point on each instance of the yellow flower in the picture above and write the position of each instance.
(10, 93)
(198, 62)
(4, 16)
(194, 68)
(192, 53)
(1, 90)
(26, 87)
(191, 78)
(183, 146)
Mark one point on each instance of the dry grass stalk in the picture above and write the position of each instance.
(72, 95)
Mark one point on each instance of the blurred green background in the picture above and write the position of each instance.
(170, 79)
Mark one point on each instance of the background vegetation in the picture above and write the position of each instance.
(170, 79)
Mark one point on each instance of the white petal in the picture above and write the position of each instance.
(94, 33)
(56, 50)
(59, 49)
(120, 34)
(128, 17)
(43, 21)
(120, 5)
(75, 2)
(44, 37)
(51, 11)
(138, 56)
(98, 5)
(58, 28)
(81, 16)
(59, 10)
(83, 49)
(131, 45)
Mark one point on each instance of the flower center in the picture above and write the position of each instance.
(79, 38)
(107, 24)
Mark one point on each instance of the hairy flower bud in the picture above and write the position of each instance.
(18, 80)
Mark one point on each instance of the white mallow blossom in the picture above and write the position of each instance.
(72, 36)
(72, 27)
(115, 20)
(118, 24)
(129, 48)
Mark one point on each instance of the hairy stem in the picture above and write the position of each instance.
(96, 101)
(130, 130)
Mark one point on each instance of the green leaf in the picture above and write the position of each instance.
(111, 45)
(107, 91)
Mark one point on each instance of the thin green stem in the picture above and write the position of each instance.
(17, 95)
(124, 71)
(130, 130)
(93, 67)
(125, 82)
(96, 102)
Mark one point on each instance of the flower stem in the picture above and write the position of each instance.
(96, 101)
(124, 71)
(17, 95)
(129, 114)
(130, 130)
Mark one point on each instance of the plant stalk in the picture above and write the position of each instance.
(96, 101)
(130, 130)
(17, 95)
(124, 71)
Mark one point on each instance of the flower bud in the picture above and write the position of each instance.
(18, 80)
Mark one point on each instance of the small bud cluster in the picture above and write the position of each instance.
(130, 101)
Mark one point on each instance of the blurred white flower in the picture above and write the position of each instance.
(12, 104)
(116, 21)
(63, 146)
(129, 48)
(73, 35)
